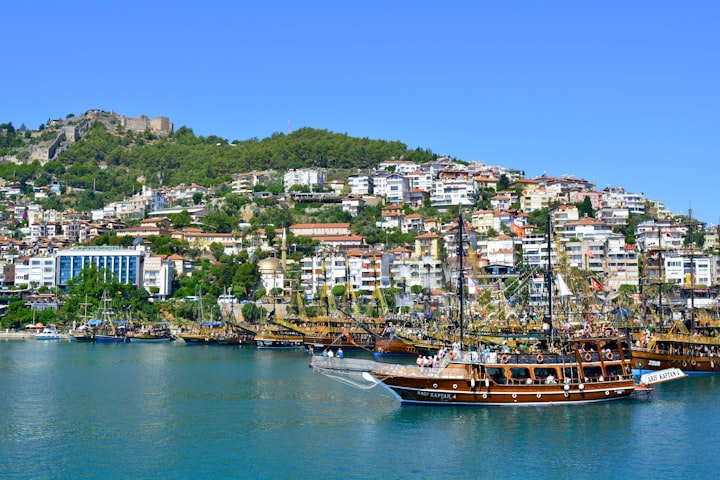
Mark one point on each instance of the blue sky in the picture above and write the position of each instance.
(623, 93)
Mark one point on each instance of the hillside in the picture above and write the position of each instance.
(109, 163)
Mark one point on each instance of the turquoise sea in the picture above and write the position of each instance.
(173, 411)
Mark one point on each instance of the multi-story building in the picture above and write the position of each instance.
(397, 187)
(42, 271)
(420, 180)
(534, 199)
(482, 221)
(353, 204)
(126, 265)
(157, 275)
(360, 184)
(303, 177)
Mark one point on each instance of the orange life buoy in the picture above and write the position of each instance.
(539, 358)
(588, 357)
(505, 358)
(609, 355)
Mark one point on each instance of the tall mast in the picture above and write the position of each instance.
(461, 278)
(691, 244)
(660, 275)
(549, 272)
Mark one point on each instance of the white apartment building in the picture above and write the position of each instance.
(360, 184)
(452, 192)
(157, 276)
(305, 177)
(420, 180)
(397, 188)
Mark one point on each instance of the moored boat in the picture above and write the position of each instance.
(694, 353)
(280, 339)
(158, 332)
(571, 371)
(48, 333)
(395, 346)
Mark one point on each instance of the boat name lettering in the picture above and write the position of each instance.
(654, 363)
(444, 396)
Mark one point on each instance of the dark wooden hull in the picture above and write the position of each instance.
(646, 362)
(82, 338)
(693, 354)
(410, 390)
(197, 339)
(397, 347)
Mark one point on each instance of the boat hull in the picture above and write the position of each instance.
(82, 338)
(151, 340)
(55, 336)
(110, 339)
(396, 347)
(279, 343)
(193, 339)
(430, 391)
(647, 362)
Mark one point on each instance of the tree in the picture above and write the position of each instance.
(252, 313)
(217, 249)
(197, 198)
(585, 208)
(180, 220)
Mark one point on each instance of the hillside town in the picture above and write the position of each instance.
(43, 250)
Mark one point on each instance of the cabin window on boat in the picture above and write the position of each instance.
(592, 372)
(497, 374)
(614, 370)
(519, 373)
(541, 373)
(571, 373)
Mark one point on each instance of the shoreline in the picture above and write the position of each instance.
(16, 336)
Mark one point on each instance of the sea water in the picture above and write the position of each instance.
(173, 411)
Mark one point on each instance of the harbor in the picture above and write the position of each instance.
(74, 410)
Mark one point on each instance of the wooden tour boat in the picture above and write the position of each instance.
(581, 371)
(694, 353)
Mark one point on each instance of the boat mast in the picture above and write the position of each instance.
(660, 276)
(549, 274)
(461, 278)
(691, 244)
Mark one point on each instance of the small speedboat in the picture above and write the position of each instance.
(48, 333)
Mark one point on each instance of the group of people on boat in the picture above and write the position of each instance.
(328, 352)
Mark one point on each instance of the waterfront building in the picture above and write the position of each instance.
(125, 264)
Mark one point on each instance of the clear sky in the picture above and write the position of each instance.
(623, 93)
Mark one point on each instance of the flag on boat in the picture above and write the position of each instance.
(563, 289)
(595, 285)
(473, 286)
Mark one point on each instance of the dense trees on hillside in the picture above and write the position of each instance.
(127, 160)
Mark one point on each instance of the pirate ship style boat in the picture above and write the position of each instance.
(557, 369)
(692, 342)
(580, 370)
